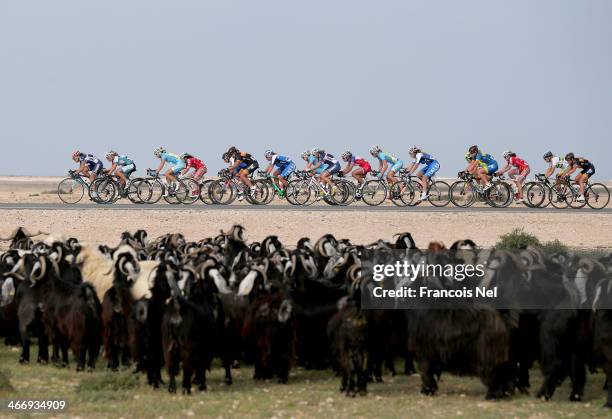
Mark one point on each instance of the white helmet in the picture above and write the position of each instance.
(507, 154)
(158, 151)
(269, 153)
(110, 153)
(183, 156)
(315, 151)
(346, 156)
(413, 150)
(305, 154)
(374, 150)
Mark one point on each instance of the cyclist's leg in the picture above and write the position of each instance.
(520, 180)
(359, 175)
(394, 169)
(285, 174)
(425, 175)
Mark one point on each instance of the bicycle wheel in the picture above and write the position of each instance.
(193, 191)
(439, 194)
(70, 191)
(264, 193)
(462, 194)
(291, 192)
(499, 195)
(537, 194)
(597, 196)
(222, 192)
(560, 196)
(401, 193)
(352, 189)
(374, 192)
(178, 195)
(103, 190)
(303, 192)
(150, 191)
(205, 192)
(575, 193)
(132, 191)
(339, 193)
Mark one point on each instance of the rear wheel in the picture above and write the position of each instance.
(303, 193)
(560, 196)
(291, 192)
(374, 192)
(575, 193)
(205, 192)
(70, 191)
(263, 193)
(499, 195)
(597, 196)
(178, 195)
(132, 190)
(401, 193)
(193, 191)
(150, 191)
(103, 191)
(462, 194)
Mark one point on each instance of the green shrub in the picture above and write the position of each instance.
(555, 246)
(5, 382)
(109, 381)
(517, 239)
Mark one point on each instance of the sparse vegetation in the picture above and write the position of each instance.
(517, 239)
(5, 382)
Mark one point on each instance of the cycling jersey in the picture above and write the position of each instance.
(244, 157)
(361, 162)
(329, 159)
(582, 163)
(313, 161)
(424, 158)
(280, 161)
(170, 158)
(388, 157)
(122, 160)
(195, 163)
(489, 161)
(93, 163)
(558, 163)
(520, 164)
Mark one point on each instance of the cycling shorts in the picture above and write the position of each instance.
(397, 166)
(178, 168)
(333, 169)
(286, 170)
(239, 168)
(97, 169)
(128, 169)
(431, 169)
(366, 168)
(588, 170)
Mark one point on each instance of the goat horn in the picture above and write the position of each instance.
(43, 269)
(205, 265)
(293, 263)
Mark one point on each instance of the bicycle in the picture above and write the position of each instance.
(152, 189)
(72, 189)
(225, 190)
(375, 191)
(466, 191)
(438, 191)
(565, 192)
(100, 184)
(307, 190)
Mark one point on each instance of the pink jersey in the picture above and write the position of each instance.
(520, 164)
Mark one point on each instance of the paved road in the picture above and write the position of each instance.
(276, 207)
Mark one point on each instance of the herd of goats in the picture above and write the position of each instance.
(174, 304)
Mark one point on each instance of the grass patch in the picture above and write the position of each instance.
(554, 246)
(108, 382)
(5, 381)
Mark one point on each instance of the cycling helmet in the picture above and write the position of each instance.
(346, 156)
(110, 153)
(547, 155)
(269, 153)
(158, 151)
(508, 154)
(473, 149)
(76, 153)
(413, 150)
(315, 151)
(183, 156)
(231, 150)
(305, 154)
(569, 156)
(374, 150)
(225, 156)
(468, 156)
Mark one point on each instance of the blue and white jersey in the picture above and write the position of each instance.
(171, 158)
(90, 160)
(280, 161)
(388, 157)
(424, 158)
(329, 159)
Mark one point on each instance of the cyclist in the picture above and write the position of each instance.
(587, 170)
(332, 166)
(554, 162)
(122, 166)
(89, 165)
(191, 162)
(517, 169)
(360, 172)
(280, 166)
(177, 166)
(242, 165)
(486, 169)
(386, 161)
(425, 174)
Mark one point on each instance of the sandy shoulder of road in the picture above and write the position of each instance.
(105, 226)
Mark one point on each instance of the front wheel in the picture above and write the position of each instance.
(537, 194)
(374, 192)
(499, 195)
(193, 191)
(222, 192)
(597, 196)
(439, 194)
(70, 191)
(462, 194)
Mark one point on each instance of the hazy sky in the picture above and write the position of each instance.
(200, 76)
